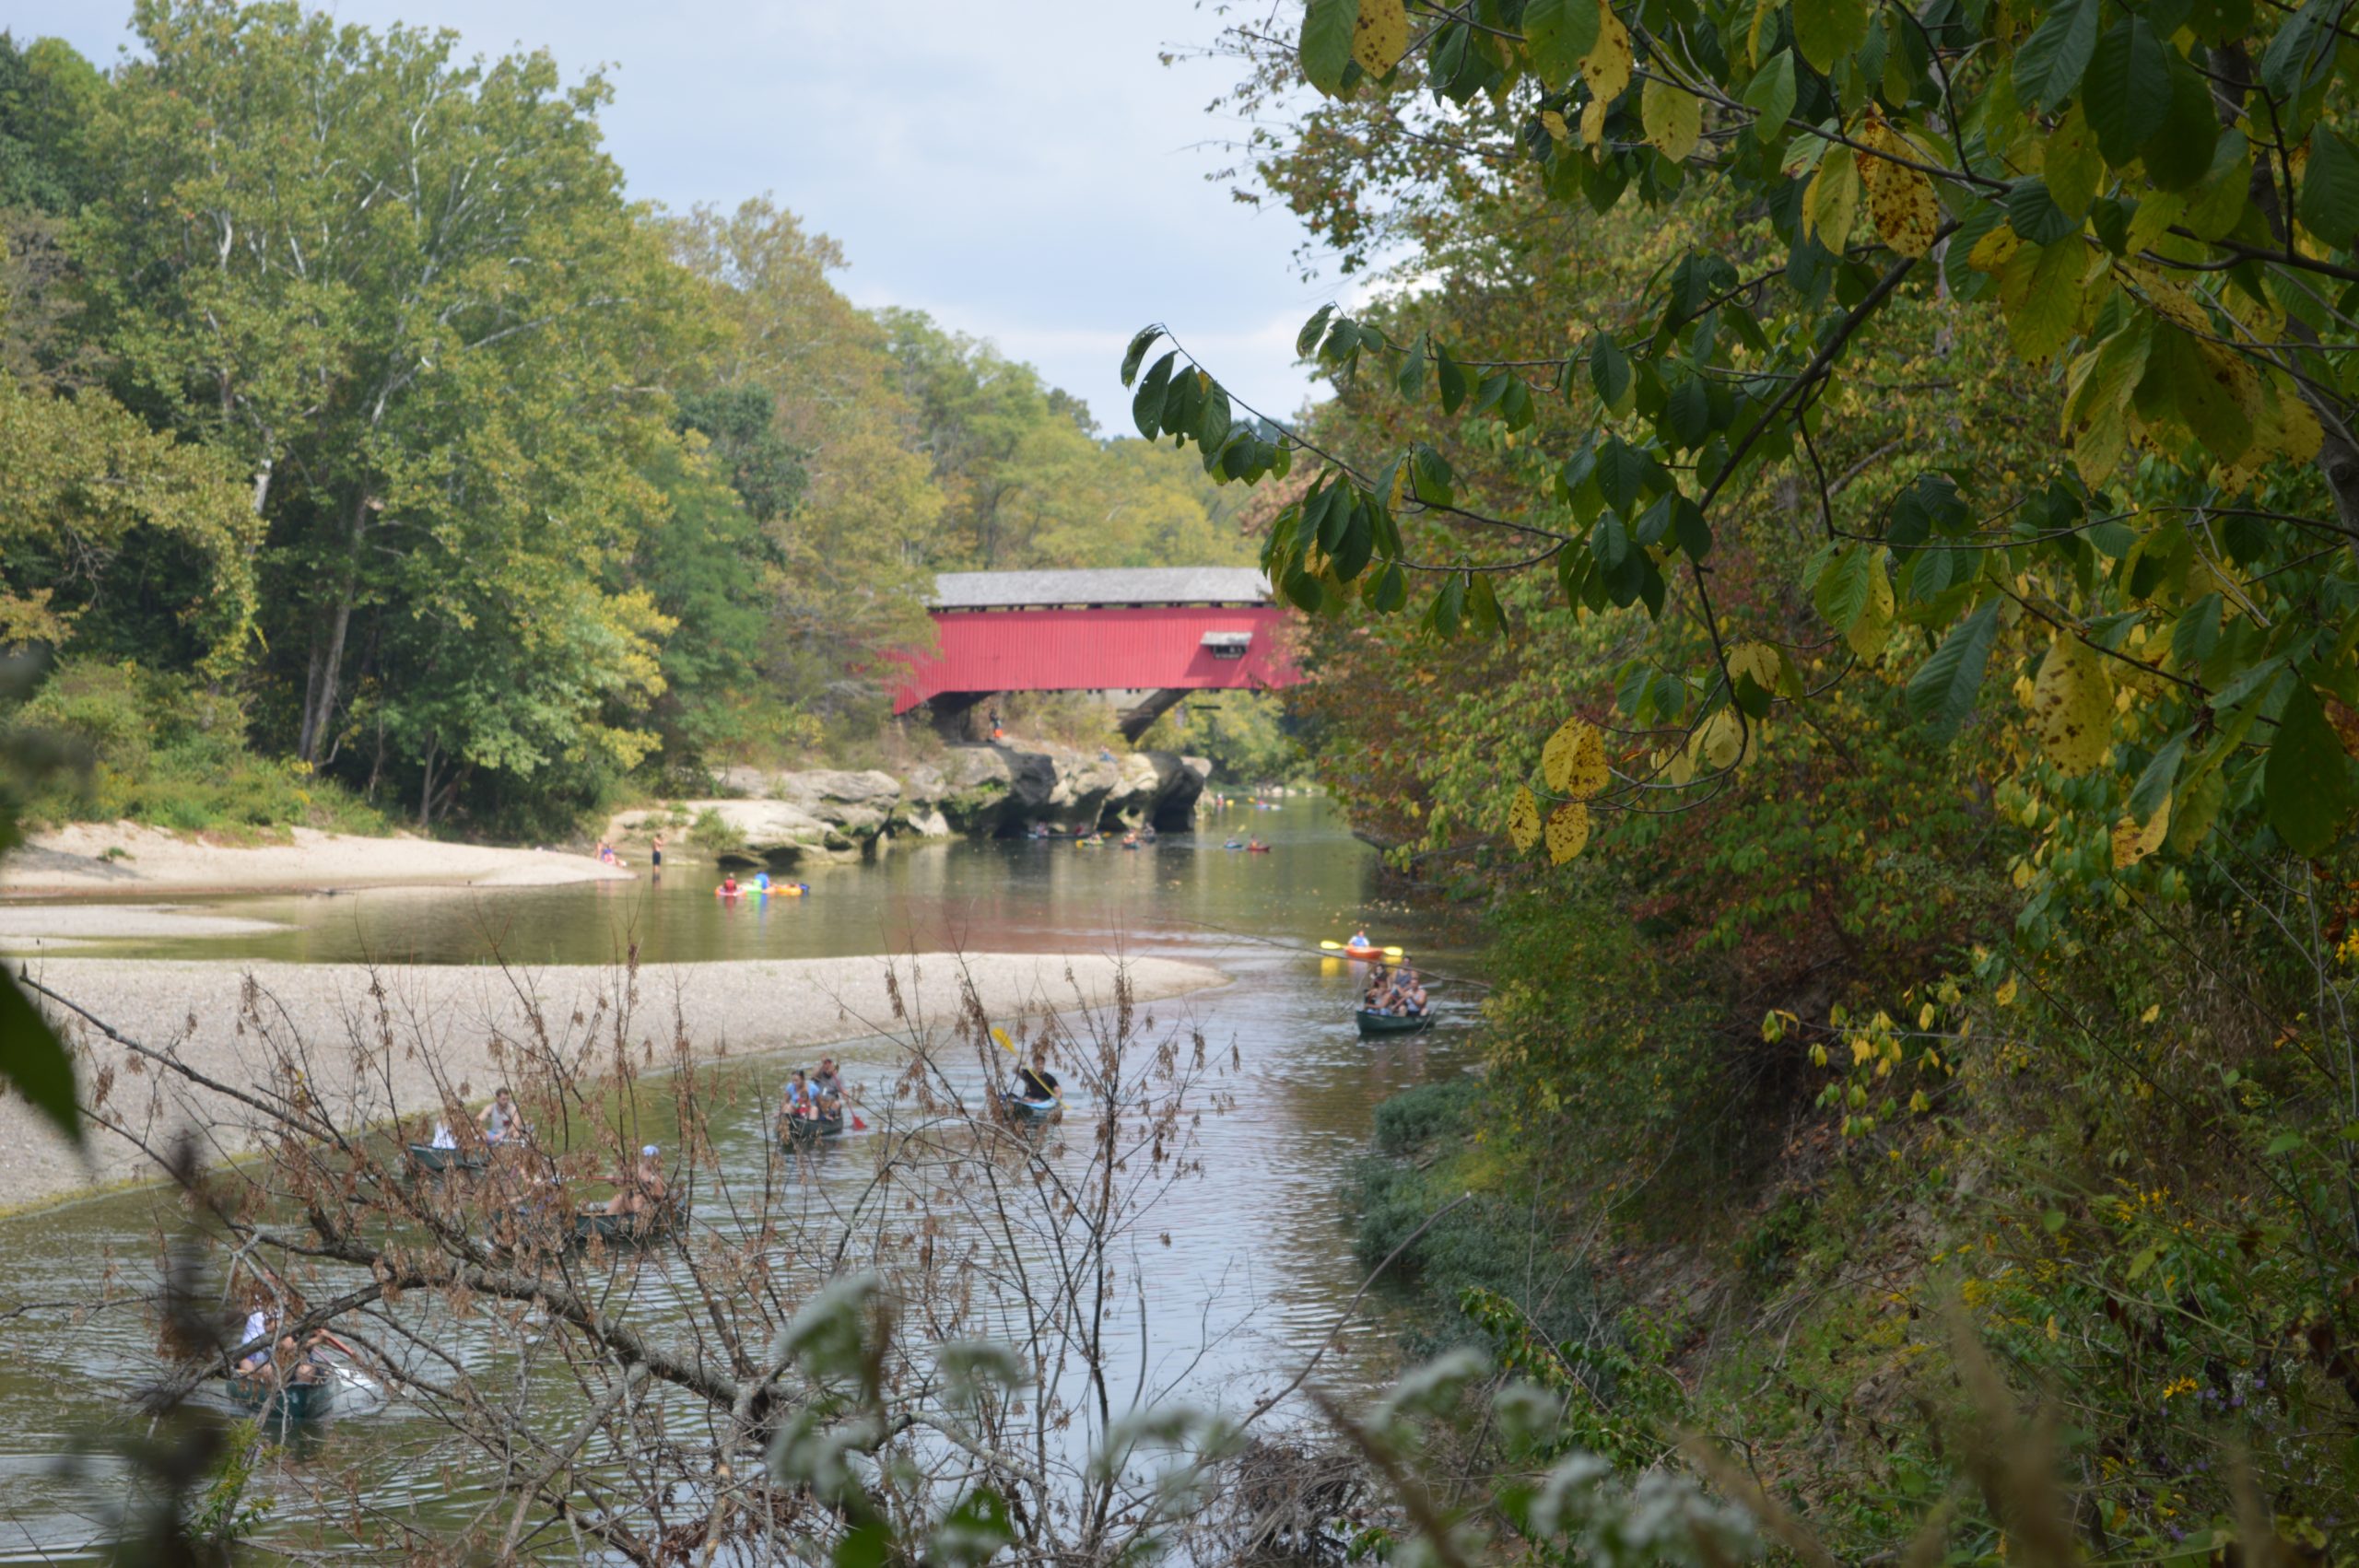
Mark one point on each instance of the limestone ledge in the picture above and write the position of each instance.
(785, 818)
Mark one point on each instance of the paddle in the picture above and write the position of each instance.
(1347, 947)
(1000, 1035)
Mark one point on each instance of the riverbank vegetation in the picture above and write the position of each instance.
(1848, 513)
(342, 390)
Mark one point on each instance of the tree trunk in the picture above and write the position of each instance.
(327, 667)
(426, 790)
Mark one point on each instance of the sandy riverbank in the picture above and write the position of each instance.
(126, 859)
(469, 1016)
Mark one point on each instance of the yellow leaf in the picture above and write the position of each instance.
(2291, 426)
(1553, 124)
(1523, 819)
(1606, 66)
(1593, 126)
(1574, 759)
(2133, 843)
(1567, 831)
(1722, 741)
(2071, 703)
(1831, 203)
(1994, 250)
(1900, 199)
(2039, 293)
(1869, 633)
(1381, 35)
(2153, 1013)
(1925, 1016)
(2007, 992)
(1762, 11)
(2157, 210)
(1759, 660)
(1673, 118)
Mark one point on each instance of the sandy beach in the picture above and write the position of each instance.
(467, 1017)
(128, 860)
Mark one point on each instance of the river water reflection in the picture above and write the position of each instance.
(1259, 1261)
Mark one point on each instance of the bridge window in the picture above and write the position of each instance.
(1227, 645)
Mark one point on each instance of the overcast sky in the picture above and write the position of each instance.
(1026, 171)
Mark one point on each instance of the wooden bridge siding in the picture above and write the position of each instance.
(1097, 649)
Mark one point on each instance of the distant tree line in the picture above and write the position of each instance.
(353, 419)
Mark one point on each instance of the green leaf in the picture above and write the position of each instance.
(1327, 26)
(1687, 525)
(1146, 407)
(1137, 351)
(2039, 292)
(1483, 612)
(2032, 213)
(2126, 88)
(1449, 606)
(1828, 31)
(1357, 542)
(33, 1060)
(1942, 691)
(2050, 63)
(2155, 785)
(1844, 587)
(1411, 380)
(2305, 784)
(1621, 469)
(1307, 338)
(1770, 94)
(2179, 154)
(1556, 33)
(1610, 541)
(1452, 379)
(1609, 372)
(1429, 476)
(2283, 1143)
(1214, 418)
(2330, 201)
(2052, 1221)
(2286, 64)
(1392, 590)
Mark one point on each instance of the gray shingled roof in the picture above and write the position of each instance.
(1139, 585)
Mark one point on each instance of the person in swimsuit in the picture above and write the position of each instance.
(643, 1188)
(500, 1119)
(655, 855)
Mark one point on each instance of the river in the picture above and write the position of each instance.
(1258, 1265)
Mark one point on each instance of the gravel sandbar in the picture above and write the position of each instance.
(124, 858)
(228, 1019)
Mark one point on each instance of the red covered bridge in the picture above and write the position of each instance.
(1161, 631)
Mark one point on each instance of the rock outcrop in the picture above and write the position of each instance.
(980, 791)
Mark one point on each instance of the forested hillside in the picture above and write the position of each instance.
(364, 448)
(1835, 531)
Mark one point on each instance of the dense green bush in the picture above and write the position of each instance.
(164, 751)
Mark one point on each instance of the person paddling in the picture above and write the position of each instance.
(1035, 1082)
(1358, 942)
